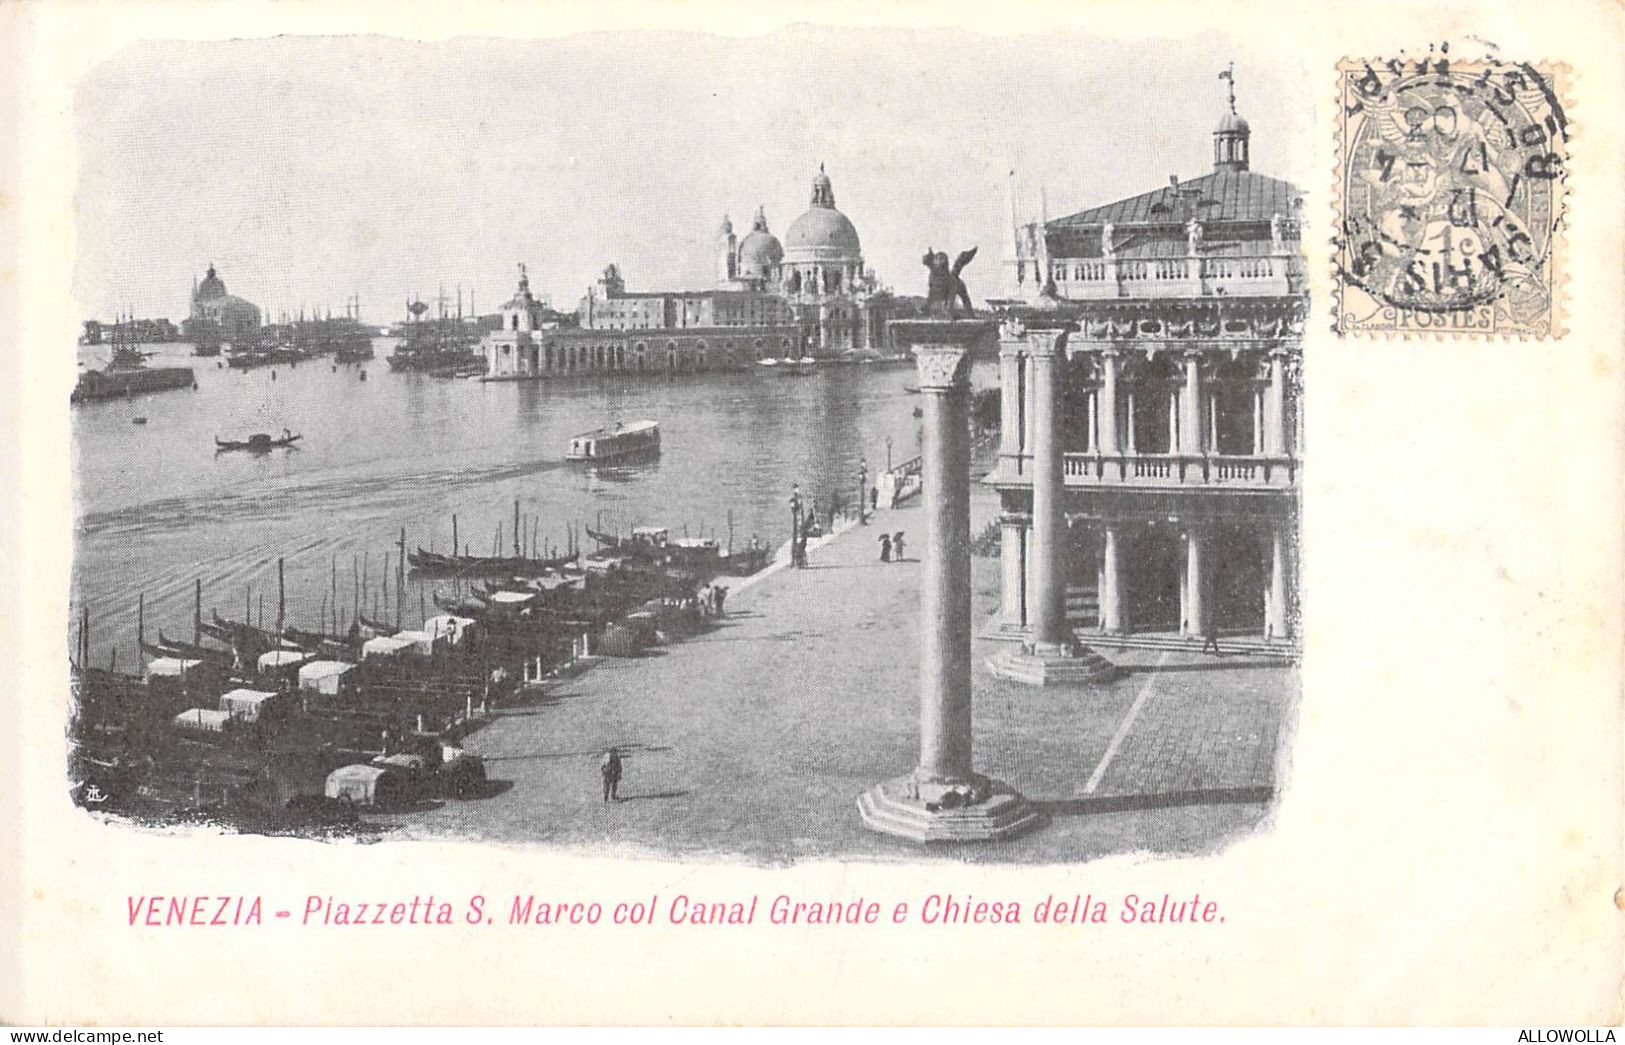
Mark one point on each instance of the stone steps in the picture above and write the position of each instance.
(1085, 666)
(1189, 644)
(886, 809)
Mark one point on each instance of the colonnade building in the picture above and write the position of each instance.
(638, 334)
(1166, 330)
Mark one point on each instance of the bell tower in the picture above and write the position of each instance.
(1232, 138)
(727, 252)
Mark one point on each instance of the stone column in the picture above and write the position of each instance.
(1107, 410)
(944, 799)
(1111, 605)
(1130, 419)
(945, 595)
(1051, 655)
(1190, 435)
(1195, 582)
(1275, 407)
(1275, 625)
(1011, 346)
(1091, 441)
(1028, 435)
(1013, 565)
(1048, 602)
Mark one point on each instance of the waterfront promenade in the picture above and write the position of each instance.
(755, 738)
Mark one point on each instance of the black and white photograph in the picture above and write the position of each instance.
(736, 458)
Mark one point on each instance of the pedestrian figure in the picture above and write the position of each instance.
(1210, 640)
(897, 545)
(885, 547)
(718, 593)
(611, 770)
(874, 498)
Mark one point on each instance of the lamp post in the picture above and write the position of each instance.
(863, 491)
(795, 523)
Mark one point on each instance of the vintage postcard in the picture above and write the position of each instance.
(837, 515)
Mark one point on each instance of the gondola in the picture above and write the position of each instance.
(747, 561)
(259, 442)
(168, 647)
(484, 565)
(377, 627)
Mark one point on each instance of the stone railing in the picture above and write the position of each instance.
(1245, 471)
(1177, 277)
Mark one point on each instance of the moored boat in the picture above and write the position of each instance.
(484, 565)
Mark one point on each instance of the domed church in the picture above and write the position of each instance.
(817, 271)
(216, 313)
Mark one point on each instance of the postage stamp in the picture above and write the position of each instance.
(1451, 192)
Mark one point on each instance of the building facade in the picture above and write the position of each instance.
(1163, 335)
(644, 334)
(817, 274)
(218, 314)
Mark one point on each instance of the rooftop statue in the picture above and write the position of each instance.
(946, 290)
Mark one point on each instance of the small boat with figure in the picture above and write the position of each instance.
(631, 439)
(259, 442)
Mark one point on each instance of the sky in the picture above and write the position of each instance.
(307, 169)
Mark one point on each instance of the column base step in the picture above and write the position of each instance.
(895, 808)
(1080, 666)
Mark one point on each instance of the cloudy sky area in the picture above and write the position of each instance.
(310, 168)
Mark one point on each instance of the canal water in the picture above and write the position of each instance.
(157, 508)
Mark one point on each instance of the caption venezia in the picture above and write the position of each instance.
(681, 909)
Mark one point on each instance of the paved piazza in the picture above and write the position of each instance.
(755, 739)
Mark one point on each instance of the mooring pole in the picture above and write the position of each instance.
(197, 613)
(140, 620)
(400, 582)
(455, 547)
(281, 596)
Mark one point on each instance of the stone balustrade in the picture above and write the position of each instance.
(1086, 280)
(1249, 471)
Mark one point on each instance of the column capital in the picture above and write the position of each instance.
(942, 368)
(1044, 344)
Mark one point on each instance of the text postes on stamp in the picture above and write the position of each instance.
(1451, 178)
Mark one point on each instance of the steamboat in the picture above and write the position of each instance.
(634, 439)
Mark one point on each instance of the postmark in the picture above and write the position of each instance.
(1451, 181)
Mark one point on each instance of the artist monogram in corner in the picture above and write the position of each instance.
(1451, 179)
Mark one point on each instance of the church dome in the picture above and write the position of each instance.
(826, 229)
(760, 250)
(1232, 124)
(210, 288)
(823, 233)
